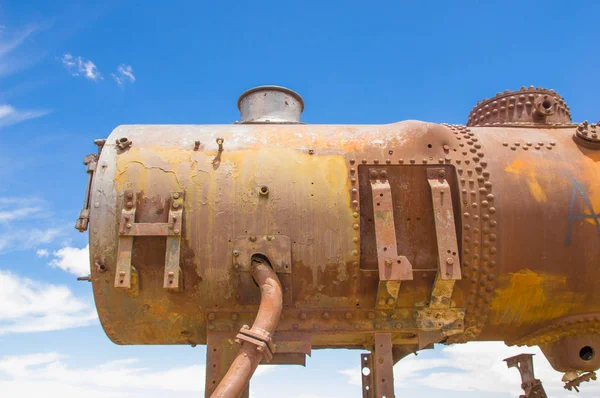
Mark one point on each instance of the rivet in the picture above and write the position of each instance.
(211, 316)
(391, 301)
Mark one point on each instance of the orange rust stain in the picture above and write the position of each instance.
(531, 298)
(526, 169)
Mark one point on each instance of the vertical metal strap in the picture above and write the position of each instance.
(445, 230)
(384, 366)
(367, 371)
(123, 272)
(393, 268)
(172, 276)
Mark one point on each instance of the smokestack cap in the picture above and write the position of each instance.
(270, 104)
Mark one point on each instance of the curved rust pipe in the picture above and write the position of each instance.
(271, 303)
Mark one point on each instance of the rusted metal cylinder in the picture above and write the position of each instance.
(271, 303)
(429, 232)
(270, 104)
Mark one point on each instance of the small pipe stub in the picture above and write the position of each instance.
(270, 104)
(525, 107)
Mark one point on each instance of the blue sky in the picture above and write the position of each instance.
(71, 72)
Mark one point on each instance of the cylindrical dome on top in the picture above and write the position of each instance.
(270, 104)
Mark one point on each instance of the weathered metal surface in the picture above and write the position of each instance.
(526, 230)
(256, 343)
(532, 386)
(367, 372)
(383, 375)
(270, 104)
(527, 106)
(90, 162)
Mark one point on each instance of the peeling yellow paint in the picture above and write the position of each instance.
(531, 298)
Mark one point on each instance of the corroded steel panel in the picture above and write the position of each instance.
(524, 243)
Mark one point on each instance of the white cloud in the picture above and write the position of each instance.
(28, 238)
(10, 115)
(50, 374)
(476, 367)
(73, 260)
(124, 74)
(10, 42)
(79, 66)
(21, 214)
(42, 253)
(30, 306)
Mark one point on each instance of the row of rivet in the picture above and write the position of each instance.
(523, 100)
(568, 326)
(325, 315)
(528, 144)
(479, 239)
(353, 169)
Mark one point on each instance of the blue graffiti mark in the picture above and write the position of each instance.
(572, 217)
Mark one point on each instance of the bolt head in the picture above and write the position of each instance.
(236, 253)
(391, 301)
(383, 174)
(449, 261)
(176, 195)
(374, 174)
(175, 205)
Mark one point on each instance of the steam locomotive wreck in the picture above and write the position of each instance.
(268, 238)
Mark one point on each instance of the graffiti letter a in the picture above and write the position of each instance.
(578, 188)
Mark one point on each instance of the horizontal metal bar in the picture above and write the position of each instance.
(149, 229)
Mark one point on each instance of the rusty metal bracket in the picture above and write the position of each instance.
(90, 162)
(377, 369)
(574, 384)
(393, 268)
(445, 230)
(277, 248)
(532, 386)
(128, 229)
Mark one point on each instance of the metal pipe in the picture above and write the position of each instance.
(271, 303)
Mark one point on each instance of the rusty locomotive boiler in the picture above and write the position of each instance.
(268, 238)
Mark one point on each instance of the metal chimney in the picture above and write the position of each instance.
(270, 104)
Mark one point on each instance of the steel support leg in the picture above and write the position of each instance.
(378, 369)
(220, 353)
